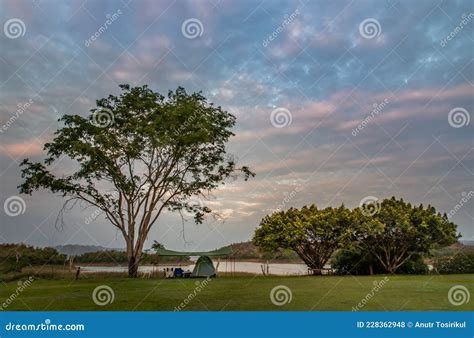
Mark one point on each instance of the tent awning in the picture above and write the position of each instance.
(220, 252)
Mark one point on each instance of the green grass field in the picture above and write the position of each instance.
(322, 293)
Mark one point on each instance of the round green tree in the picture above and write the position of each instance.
(314, 234)
(398, 231)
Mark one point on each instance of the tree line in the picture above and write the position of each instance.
(393, 235)
(15, 257)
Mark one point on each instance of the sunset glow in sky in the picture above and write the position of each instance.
(335, 101)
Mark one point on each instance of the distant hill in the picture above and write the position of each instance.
(455, 248)
(76, 249)
(467, 242)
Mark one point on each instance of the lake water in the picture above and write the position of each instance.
(282, 269)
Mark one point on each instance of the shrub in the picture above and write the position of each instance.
(459, 263)
(120, 257)
(355, 262)
(14, 257)
(359, 262)
(414, 266)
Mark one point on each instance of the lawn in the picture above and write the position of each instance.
(321, 293)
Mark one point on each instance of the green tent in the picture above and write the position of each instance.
(204, 266)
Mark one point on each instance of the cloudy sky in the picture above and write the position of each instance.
(336, 101)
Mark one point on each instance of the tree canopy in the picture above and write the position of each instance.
(314, 234)
(395, 233)
(398, 231)
(136, 155)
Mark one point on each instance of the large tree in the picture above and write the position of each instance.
(136, 155)
(312, 233)
(399, 231)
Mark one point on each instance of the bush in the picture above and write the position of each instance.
(120, 257)
(14, 257)
(358, 262)
(354, 262)
(459, 263)
(414, 266)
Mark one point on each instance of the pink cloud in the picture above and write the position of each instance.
(27, 148)
(427, 94)
(410, 104)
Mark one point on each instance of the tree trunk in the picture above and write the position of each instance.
(371, 270)
(133, 266)
(316, 267)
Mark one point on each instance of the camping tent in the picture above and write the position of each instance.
(204, 266)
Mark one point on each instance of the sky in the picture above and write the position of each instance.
(336, 102)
